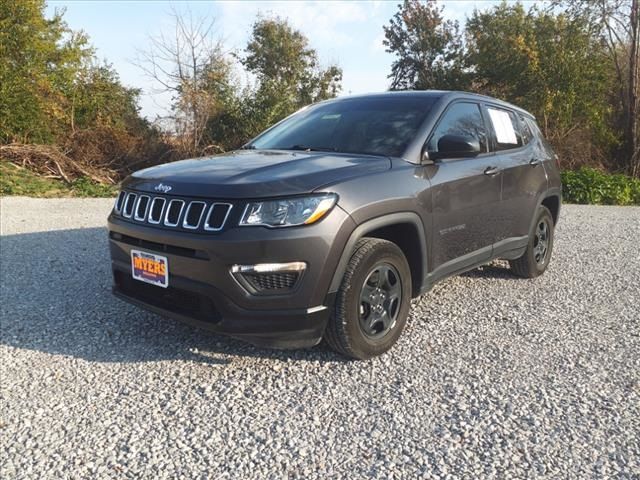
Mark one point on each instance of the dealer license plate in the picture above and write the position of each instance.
(150, 268)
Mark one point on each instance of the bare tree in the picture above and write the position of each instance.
(186, 63)
(632, 106)
(618, 24)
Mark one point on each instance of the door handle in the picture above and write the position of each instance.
(535, 161)
(491, 170)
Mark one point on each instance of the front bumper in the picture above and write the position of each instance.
(203, 292)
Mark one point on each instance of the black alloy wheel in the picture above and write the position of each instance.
(380, 299)
(541, 241)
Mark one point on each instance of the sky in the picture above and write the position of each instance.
(347, 33)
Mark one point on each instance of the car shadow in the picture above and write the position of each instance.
(55, 297)
(498, 269)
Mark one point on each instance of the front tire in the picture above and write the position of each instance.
(372, 304)
(536, 258)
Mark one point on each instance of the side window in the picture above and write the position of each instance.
(506, 128)
(527, 134)
(462, 119)
(535, 129)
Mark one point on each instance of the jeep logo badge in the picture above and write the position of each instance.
(162, 188)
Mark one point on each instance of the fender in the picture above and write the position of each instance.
(551, 192)
(370, 225)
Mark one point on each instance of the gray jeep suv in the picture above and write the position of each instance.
(328, 223)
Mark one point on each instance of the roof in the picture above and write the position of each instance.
(452, 94)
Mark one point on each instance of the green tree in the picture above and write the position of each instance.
(39, 59)
(53, 91)
(549, 64)
(616, 23)
(428, 48)
(97, 98)
(288, 72)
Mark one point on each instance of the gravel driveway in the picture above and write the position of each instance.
(494, 376)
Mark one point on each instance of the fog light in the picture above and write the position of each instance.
(269, 267)
(269, 278)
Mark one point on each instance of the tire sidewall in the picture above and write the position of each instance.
(362, 345)
(539, 269)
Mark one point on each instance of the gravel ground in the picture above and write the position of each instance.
(494, 376)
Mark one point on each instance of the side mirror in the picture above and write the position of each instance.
(454, 146)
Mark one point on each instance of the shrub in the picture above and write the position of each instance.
(635, 191)
(590, 186)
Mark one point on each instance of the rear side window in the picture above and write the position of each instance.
(533, 126)
(462, 119)
(506, 128)
(537, 133)
(527, 134)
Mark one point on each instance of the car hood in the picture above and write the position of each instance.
(254, 173)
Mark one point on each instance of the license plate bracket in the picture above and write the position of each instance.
(150, 268)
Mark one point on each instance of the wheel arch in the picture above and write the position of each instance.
(406, 230)
(550, 198)
(552, 202)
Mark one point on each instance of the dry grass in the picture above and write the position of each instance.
(48, 161)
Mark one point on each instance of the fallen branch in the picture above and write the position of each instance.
(47, 160)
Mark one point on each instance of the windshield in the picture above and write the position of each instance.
(374, 126)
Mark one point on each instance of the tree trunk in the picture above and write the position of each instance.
(631, 133)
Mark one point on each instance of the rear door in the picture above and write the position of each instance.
(465, 193)
(523, 175)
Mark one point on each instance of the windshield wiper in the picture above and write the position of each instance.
(306, 148)
(248, 147)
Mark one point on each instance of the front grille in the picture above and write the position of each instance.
(184, 302)
(192, 215)
(159, 247)
(271, 282)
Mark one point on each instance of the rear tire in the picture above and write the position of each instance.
(373, 301)
(536, 258)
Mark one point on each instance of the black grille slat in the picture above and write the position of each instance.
(157, 207)
(193, 215)
(120, 201)
(141, 209)
(159, 247)
(272, 281)
(129, 204)
(217, 216)
(172, 299)
(174, 210)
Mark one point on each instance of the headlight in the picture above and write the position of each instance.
(289, 212)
